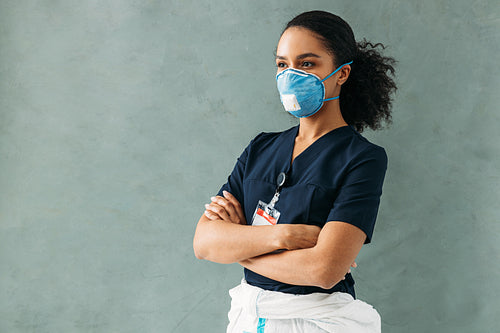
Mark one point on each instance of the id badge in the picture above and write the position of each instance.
(265, 214)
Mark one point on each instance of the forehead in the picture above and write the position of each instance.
(296, 40)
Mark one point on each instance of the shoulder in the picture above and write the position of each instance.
(362, 148)
(365, 152)
(265, 142)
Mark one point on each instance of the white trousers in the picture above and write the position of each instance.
(255, 310)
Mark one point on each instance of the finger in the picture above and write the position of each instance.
(219, 210)
(211, 215)
(215, 208)
(354, 264)
(210, 212)
(228, 206)
(236, 204)
(232, 199)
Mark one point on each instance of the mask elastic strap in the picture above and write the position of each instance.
(335, 71)
(329, 99)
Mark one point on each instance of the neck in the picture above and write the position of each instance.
(325, 120)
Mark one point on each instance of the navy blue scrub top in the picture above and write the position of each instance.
(339, 177)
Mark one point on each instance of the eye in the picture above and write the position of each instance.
(280, 65)
(307, 64)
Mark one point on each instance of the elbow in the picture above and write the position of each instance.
(202, 253)
(199, 249)
(204, 250)
(327, 276)
(210, 256)
(198, 254)
(208, 246)
(201, 243)
(327, 283)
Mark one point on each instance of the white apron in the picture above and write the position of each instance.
(255, 310)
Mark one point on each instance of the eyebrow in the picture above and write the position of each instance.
(302, 56)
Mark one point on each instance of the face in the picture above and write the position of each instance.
(299, 48)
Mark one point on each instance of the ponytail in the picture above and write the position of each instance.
(366, 96)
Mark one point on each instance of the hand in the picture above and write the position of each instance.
(352, 265)
(225, 208)
(298, 236)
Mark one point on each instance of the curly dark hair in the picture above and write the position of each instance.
(366, 97)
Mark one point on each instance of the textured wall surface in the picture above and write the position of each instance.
(119, 119)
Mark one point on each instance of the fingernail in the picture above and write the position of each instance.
(207, 205)
(212, 198)
(225, 193)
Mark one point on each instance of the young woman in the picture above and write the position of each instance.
(300, 204)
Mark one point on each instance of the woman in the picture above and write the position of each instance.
(300, 204)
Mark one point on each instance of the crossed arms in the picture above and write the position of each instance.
(314, 256)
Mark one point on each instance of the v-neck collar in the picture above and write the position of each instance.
(308, 153)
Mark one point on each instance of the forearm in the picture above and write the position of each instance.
(303, 267)
(323, 265)
(224, 242)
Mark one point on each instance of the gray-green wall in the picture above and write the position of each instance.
(119, 119)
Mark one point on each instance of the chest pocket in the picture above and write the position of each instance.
(298, 204)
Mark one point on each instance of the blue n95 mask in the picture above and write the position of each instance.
(302, 93)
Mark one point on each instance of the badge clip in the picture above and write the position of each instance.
(266, 214)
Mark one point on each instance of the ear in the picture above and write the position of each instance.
(344, 74)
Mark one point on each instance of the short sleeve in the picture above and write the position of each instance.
(234, 184)
(358, 199)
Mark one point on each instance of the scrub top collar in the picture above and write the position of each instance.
(303, 159)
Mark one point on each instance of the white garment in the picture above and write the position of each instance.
(255, 310)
